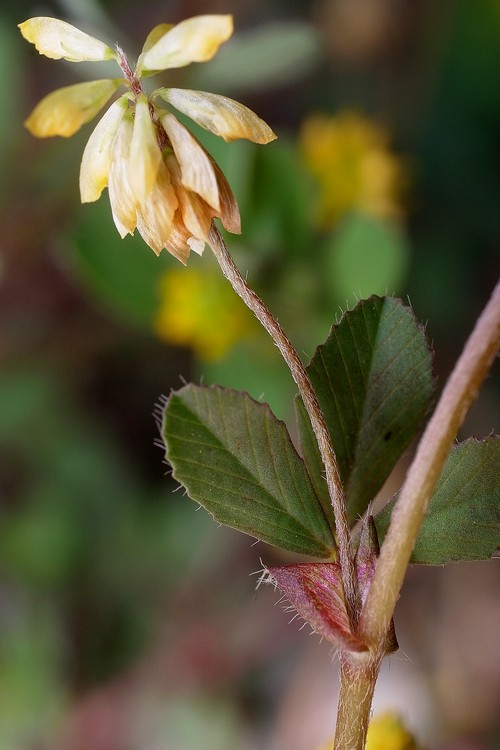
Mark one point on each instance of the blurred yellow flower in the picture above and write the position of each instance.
(200, 310)
(349, 157)
(160, 179)
(385, 732)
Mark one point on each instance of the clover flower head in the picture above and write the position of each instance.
(160, 179)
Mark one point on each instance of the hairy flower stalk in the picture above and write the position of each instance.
(160, 179)
(299, 374)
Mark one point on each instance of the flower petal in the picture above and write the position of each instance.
(197, 246)
(196, 214)
(178, 240)
(155, 35)
(123, 206)
(229, 212)
(64, 111)
(196, 39)
(224, 117)
(156, 216)
(58, 39)
(197, 171)
(96, 159)
(145, 155)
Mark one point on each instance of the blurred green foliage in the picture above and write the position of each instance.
(92, 543)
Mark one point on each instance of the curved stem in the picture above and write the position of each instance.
(299, 374)
(435, 444)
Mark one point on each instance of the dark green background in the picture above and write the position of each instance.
(121, 609)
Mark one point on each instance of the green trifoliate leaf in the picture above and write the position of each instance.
(463, 518)
(374, 383)
(237, 460)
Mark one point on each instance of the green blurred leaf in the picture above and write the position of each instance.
(367, 256)
(11, 76)
(463, 518)
(51, 487)
(261, 58)
(33, 694)
(235, 458)
(123, 274)
(193, 719)
(257, 368)
(373, 380)
(81, 531)
(280, 208)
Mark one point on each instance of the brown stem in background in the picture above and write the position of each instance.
(299, 374)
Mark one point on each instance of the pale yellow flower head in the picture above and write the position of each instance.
(160, 180)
